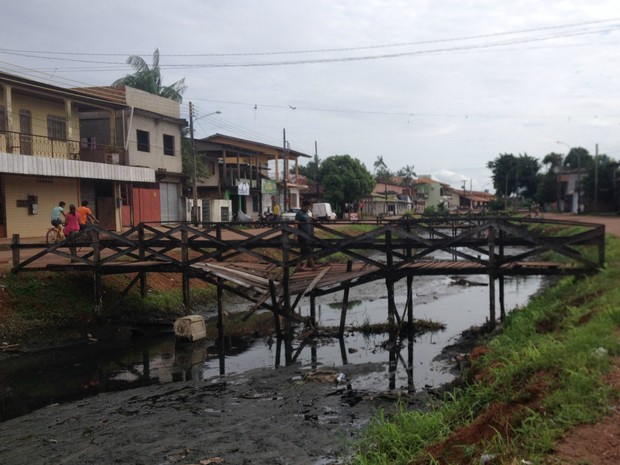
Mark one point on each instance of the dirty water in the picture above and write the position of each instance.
(34, 380)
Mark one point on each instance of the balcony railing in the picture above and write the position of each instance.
(42, 146)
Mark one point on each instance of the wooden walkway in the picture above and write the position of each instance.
(259, 265)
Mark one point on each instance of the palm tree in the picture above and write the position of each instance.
(379, 164)
(149, 79)
(407, 174)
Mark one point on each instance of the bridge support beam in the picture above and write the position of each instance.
(345, 304)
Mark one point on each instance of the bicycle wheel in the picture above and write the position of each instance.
(52, 236)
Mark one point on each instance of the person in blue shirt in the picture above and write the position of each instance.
(57, 212)
(304, 224)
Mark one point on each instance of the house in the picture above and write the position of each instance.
(45, 157)
(388, 199)
(428, 193)
(571, 196)
(148, 129)
(246, 176)
(467, 200)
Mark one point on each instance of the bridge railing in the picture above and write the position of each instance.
(490, 243)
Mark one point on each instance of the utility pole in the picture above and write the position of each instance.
(285, 170)
(578, 182)
(316, 173)
(596, 178)
(194, 212)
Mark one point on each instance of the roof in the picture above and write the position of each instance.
(381, 187)
(86, 100)
(258, 148)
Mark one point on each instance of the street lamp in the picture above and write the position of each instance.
(578, 173)
(193, 149)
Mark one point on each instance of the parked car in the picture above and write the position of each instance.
(290, 215)
(323, 212)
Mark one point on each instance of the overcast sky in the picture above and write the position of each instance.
(443, 85)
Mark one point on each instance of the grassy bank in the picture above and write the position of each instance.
(44, 308)
(544, 374)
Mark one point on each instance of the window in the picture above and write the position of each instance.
(168, 145)
(144, 145)
(2, 120)
(56, 127)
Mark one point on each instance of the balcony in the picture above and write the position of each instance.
(42, 146)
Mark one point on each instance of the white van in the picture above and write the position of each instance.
(323, 212)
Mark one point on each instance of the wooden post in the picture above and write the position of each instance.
(313, 310)
(97, 290)
(141, 254)
(220, 307)
(345, 304)
(492, 274)
(185, 270)
(286, 294)
(410, 334)
(389, 282)
(15, 247)
(502, 306)
(343, 351)
(275, 305)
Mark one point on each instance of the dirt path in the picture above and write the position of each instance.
(612, 223)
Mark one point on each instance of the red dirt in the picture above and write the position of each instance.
(597, 444)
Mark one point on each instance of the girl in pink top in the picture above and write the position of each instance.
(73, 221)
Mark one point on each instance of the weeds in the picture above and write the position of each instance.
(546, 368)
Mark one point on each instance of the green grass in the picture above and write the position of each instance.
(546, 367)
(52, 304)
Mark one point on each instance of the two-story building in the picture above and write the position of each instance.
(45, 157)
(429, 193)
(149, 130)
(387, 199)
(246, 176)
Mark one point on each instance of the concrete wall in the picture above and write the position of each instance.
(155, 158)
(49, 192)
(140, 99)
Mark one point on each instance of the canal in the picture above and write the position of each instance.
(33, 380)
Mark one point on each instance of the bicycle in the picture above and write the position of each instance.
(54, 235)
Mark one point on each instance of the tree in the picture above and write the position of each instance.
(345, 180)
(149, 79)
(309, 170)
(578, 157)
(407, 174)
(515, 175)
(600, 187)
(383, 174)
(549, 183)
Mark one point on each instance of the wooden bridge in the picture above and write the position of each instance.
(259, 264)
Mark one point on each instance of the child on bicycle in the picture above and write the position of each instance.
(57, 212)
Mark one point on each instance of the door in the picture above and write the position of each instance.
(25, 132)
(106, 213)
(169, 198)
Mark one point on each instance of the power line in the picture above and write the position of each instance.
(323, 50)
(516, 41)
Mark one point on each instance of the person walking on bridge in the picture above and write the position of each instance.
(304, 224)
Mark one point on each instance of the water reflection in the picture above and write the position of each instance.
(34, 380)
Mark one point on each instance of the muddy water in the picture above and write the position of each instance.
(31, 381)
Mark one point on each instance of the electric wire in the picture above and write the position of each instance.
(441, 50)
